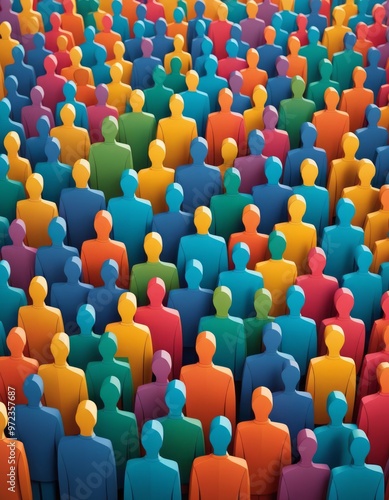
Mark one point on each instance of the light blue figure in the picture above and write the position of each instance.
(202, 47)
(278, 87)
(40, 429)
(157, 98)
(18, 101)
(101, 70)
(69, 296)
(212, 84)
(345, 62)
(10, 191)
(24, 73)
(84, 347)
(299, 335)
(12, 298)
(228, 331)
(362, 16)
(56, 175)
(289, 18)
(281, 34)
(333, 438)
(382, 166)
(175, 80)
(196, 103)
(162, 44)
(375, 76)
(4, 236)
(315, 18)
(236, 34)
(314, 52)
(199, 181)
(141, 13)
(132, 218)
(4, 351)
(192, 303)
(173, 224)
(366, 288)
(133, 45)
(152, 476)
(373, 137)
(272, 198)
(339, 241)
(88, 48)
(8, 125)
(35, 146)
(199, 8)
(240, 102)
(35, 57)
(143, 67)
(242, 283)
(268, 55)
(69, 91)
(50, 260)
(120, 23)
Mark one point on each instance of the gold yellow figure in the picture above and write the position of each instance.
(64, 386)
(40, 322)
(134, 340)
(28, 16)
(170, 5)
(177, 133)
(350, 9)
(376, 224)
(229, 153)
(118, 93)
(253, 117)
(75, 54)
(19, 168)
(2, 89)
(7, 43)
(36, 213)
(154, 180)
(179, 52)
(118, 50)
(331, 372)
(333, 35)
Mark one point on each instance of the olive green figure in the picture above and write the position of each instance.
(84, 347)
(295, 111)
(10, 191)
(227, 208)
(253, 326)
(141, 274)
(118, 426)
(314, 52)
(157, 98)
(316, 90)
(138, 129)
(228, 331)
(108, 160)
(183, 438)
(98, 371)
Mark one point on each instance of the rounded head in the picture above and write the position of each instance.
(108, 345)
(220, 433)
(307, 444)
(297, 86)
(81, 172)
(109, 128)
(309, 172)
(152, 437)
(12, 141)
(86, 416)
(277, 244)
(194, 273)
(57, 229)
(34, 185)
(129, 182)
(33, 389)
(110, 391)
(86, 316)
(127, 306)
(156, 291)
(334, 338)
(256, 142)
(103, 223)
(345, 210)
(336, 406)
(240, 255)
(60, 347)
(271, 336)
(202, 218)
(297, 207)
(5, 271)
(16, 341)
(282, 65)
(313, 35)
(137, 100)
(161, 365)
(199, 149)
(262, 403)
(153, 245)
(175, 396)
(273, 169)
(17, 231)
(205, 347)
(176, 105)
(359, 445)
(331, 98)
(308, 134)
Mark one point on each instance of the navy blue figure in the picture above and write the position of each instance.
(236, 34)
(278, 87)
(35, 57)
(362, 16)
(18, 101)
(199, 8)
(101, 70)
(201, 48)
(141, 13)
(315, 18)
(252, 167)
(375, 76)
(272, 198)
(69, 91)
(35, 146)
(143, 67)
(268, 53)
(120, 23)
(88, 48)
(10, 191)
(281, 34)
(11, 296)
(8, 125)
(211, 84)
(84, 347)
(263, 369)
(371, 137)
(196, 103)
(25, 74)
(345, 62)
(162, 44)
(382, 166)
(133, 45)
(240, 101)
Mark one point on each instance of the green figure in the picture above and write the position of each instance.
(314, 53)
(316, 90)
(10, 191)
(345, 62)
(157, 98)
(108, 160)
(295, 111)
(84, 347)
(229, 333)
(180, 429)
(98, 371)
(118, 426)
(138, 129)
(175, 80)
(253, 326)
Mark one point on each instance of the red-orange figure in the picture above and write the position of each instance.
(86, 93)
(297, 64)
(376, 223)
(107, 37)
(301, 33)
(362, 45)
(73, 22)
(376, 342)
(252, 76)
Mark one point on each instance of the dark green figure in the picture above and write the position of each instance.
(316, 90)
(253, 326)
(157, 98)
(10, 191)
(84, 347)
(314, 52)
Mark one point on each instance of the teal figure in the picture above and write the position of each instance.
(366, 288)
(241, 282)
(299, 335)
(302, 6)
(97, 371)
(357, 480)
(340, 240)
(362, 16)
(69, 296)
(272, 198)
(4, 237)
(132, 218)
(42, 443)
(162, 44)
(345, 62)
(205, 48)
(18, 101)
(192, 303)
(382, 166)
(371, 137)
(196, 103)
(281, 34)
(289, 20)
(35, 146)
(227, 208)
(152, 476)
(24, 73)
(263, 369)
(211, 83)
(4, 351)
(253, 327)
(173, 224)
(157, 97)
(268, 55)
(199, 8)
(279, 87)
(228, 331)
(375, 76)
(236, 34)
(69, 91)
(292, 407)
(10, 296)
(101, 70)
(84, 346)
(143, 67)
(199, 181)
(188, 431)
(332, 439)
(56, 175)
(10, 191)
(240, 102)
(141, 13)
(88, 48)
(8, 125)
(36, 56)
(236, 10)
(46, 8)
(118, 426)
(120, 23)
(314, 52)
(133, 45)
(252, 167)
(175, 80)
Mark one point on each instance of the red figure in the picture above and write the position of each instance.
(377, 31)
(154, 11)
(51, 83)
(219, 32)
(301, 33)
(85, 93)
(52, 35)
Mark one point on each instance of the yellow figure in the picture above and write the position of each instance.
(380, 254)
(154, 180)
(134, 340)
(333, 35)
(350, 9)
(2, 88)
(253, 117)
(40, 322)
(179, 52)
(27, 17)
(6, 44)
(331, 372)
(300, 236)
(229, 153)
(177, 133)
(170, 5)
(364, 196)
(118, 93)
(376, 224)
(19, 168)
(36, 213)
(118, 50)
(75, 57)
(213, 11)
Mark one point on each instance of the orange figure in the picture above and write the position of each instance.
(107, 37)
(129, 11)
(19, 168)
(178, 26)
(252, 76)
(27, 16)
(6, 45)
(376, 342)
(86, 92)
(119, 50)
(179, 51)
(376, 224)
(253, 118)
(333, 35)
(75, 57)
(297, 64)
(73, 22)
(380, 254)
(118, 93)
(362, 45)
(95, 252)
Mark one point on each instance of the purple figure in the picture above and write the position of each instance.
(278, 87)
(7, 14)
(143, 67)
(384, 52)
(252, 167)
(266, 9)
(98, 112)
(276, 141)
(252, 31)
(31, 114)
(240, 102)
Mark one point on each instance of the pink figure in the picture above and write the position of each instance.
(232, 62)
(20, 257)
(31, 114)
(154, 10)
(52, 35)
(63, 56)
(376, 342)
(377, 31)
(98, 112)
(301, 33)
(150, 398)
(219, 32)
(51, 83)
(252, 167)
(266, 9)
(164, 324)
(276, 141)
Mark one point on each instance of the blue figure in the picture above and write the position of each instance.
(173, 224)
(373, 136)
(375, 76)
(24, 73)
(4, 236)
(236, 34)
(199, 8)
(56, 175)
(314, 52)
(141, 13)
(205, 48)
(382, 166)
(240, 102)
(69, 296)
(40, 429)
(101, 70)
(4, 351)
(84, 346)
(263, 369)
(268, 54)
(292, 407)
(89, 47)
(384, 273)
(212, 84)
(196, 103)
(366, 288)
(289, 18)
(152, 476)
(35, 57)
(133, 45)
(272, 198)
(35, 146)
(143, 67)
(278, 87)
(10, 191)
(281, 34)
(8, 125)
(11, 297)
(192, 303)
(132, 218)
(157, 98)
(242, 282)
(69, 91)
(162, 44)
(18, 101)
(299, 337)
(120, 23)
(198, 180)
(315, 18)
(333, 438)
(46, 8)
(362, 16)
(105, 298)
(345, 62)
